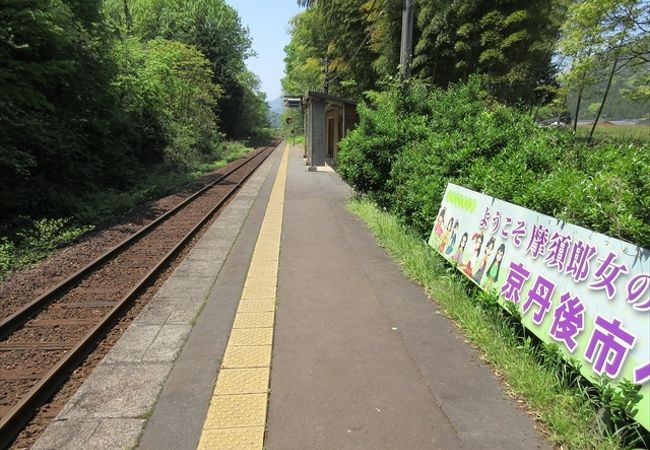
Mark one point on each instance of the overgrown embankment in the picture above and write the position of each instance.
(413, 141)
(24, 241)
(105, 103)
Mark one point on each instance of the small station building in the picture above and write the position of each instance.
(327, 120)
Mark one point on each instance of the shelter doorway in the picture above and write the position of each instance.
(330, 137)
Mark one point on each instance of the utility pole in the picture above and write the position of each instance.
(326, 78)
(127, 15)
(406, 48)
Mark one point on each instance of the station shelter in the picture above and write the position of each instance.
(327, 120)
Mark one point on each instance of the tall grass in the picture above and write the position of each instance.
(28, 240)
(624, 134)
(414, 140)
(534, 373)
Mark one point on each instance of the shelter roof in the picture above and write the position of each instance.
(328, 98)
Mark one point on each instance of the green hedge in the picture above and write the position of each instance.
(411, 142)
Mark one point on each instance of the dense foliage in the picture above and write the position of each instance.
(509, 42)
(58, 114)
(167, 88)
(352, 46)
(329, 49)
(543, 56)
(214, 29)
(107, 102)
(413, 141)
(603, 39)
(94, 93)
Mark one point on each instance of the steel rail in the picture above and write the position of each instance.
(17, 319)
(16, 417)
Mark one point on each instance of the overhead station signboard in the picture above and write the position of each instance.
(585, 291)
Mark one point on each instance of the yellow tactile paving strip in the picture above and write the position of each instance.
(236, 416)
(257, 305)
(254, 320)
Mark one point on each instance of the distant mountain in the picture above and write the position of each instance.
(617, 106)
(277, 105)
(275, 111)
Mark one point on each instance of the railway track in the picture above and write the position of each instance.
(44, 341)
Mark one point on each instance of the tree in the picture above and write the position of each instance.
(384, 27)
(253, 111)
(167, 88)
(303, 66)
(509, 42)
(214, 28)
(331, 48)
(57, 110)
(349, 52)
(607, 33)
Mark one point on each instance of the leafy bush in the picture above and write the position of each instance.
(47, 234)
(167, 87)
(368, 153)
(37, 240)
(7, 256)
(411, 142)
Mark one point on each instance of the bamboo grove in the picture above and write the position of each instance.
(547, 56)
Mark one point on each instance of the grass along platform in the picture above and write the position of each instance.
(568, 415)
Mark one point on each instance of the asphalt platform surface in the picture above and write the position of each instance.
(362, 359)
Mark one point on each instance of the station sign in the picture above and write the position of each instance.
(292, 102)
(585, 291)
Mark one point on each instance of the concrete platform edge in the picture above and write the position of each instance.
(112, 407)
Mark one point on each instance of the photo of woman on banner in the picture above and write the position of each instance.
(445, 236)
(452, 240)
(458, 256)
(492, 274)
(440, 223)
(475, 256)
(478, 274)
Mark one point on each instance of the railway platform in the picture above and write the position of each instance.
(288, 328)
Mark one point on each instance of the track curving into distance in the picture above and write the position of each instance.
(43, 342)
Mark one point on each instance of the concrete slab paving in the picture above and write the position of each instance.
(117, 433)
(186, 313)
(149, 343)
(209, 254)
(106, 433)
(171, 310)
(167, 344)
(218, 241)
(117, 391)
(133, 344)
(158, 313)
(183, 287)
(242, 202)
(67, 434)
(199, 269)
(109, 411)
(229, 226)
